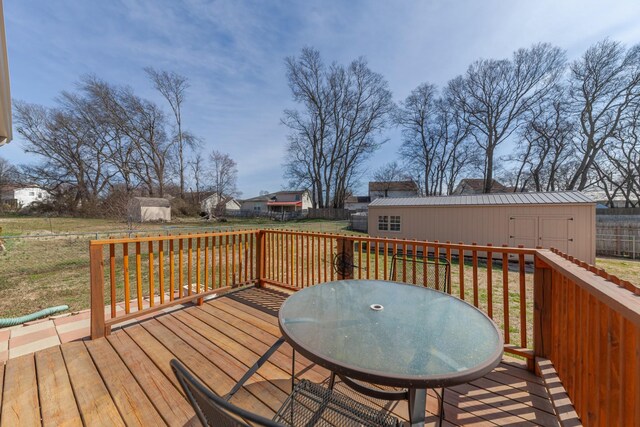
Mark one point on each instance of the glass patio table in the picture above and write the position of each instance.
(392, 334)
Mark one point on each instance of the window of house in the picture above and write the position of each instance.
(31, 193)
(256, 208)
(394, 223)
(297, 197)
(383, 223)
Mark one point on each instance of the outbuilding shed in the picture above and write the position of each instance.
(143, 209)
(561, 220)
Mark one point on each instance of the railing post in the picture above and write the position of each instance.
(96, 265)
(345, 247)
(261, 255)
(542, 281)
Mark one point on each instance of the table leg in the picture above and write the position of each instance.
(417, 406)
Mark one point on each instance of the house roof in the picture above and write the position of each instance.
(393, 186)
(559, 197)
(152, 202)
(358, 199)
(267, 197)
(477, 186)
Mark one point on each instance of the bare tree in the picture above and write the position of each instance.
(604, 82)
(8, 173)
(496, 94)
(435, 142)
(172, 87)
(390, 172)
(197, 166)
(544, 149)
(344, 108)
(223, 173)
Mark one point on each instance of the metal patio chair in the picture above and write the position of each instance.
(430, 272)
(309, 404)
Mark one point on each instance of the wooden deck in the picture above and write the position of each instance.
(125, 379)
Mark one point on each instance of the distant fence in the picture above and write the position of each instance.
(359, 222)
(618, 211)
(277, 216)
(329, 213)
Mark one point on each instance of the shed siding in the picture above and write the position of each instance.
(487, 224)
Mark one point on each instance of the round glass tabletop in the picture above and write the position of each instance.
(391, 333)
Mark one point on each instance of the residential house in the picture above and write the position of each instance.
(22, 197)
(357, 203)
(278, 202)
(476, 186)
(378, 189)
(228, 205)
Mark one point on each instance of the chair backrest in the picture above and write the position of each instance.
(417, 270)
(211, 409)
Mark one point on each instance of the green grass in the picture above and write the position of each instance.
(39, 270)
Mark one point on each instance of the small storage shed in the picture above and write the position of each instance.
(561, 220)
(143, 209)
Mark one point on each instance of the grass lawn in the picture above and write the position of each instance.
(624, 268)
(43, 271)
(40, 270)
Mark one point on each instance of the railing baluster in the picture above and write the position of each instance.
(226, 261)
(172, 271)
(138, 276)
(112, 277)
(151, 276)
(523, 300)
(127, 285)
(461, 271)
(505, 295)
(233, 260)
(474, 255)
(198, 272)
(180, 266)
(490, 282)
(206, 264)
(189, 265)
(312, 259)
(161, 269)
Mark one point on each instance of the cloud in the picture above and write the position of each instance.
(233, 53)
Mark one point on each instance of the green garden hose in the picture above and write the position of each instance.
(13, 321)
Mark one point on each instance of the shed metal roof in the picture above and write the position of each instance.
(151, 202)
(551, 198)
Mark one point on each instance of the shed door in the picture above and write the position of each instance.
(555, 232)
(523, 230)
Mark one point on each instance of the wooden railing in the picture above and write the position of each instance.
(499, 280)
(589, 328)
(148, 274)
(549, 305)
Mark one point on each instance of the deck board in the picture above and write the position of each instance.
(92, 397)
(132, 402)
(126, 378)
(57, 403)
(159, 389)
(20, 401)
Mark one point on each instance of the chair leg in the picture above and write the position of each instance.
(441, 406)
(332, 380)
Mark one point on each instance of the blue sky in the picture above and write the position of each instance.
(233, 53)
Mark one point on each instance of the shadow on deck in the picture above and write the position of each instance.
(125, 379)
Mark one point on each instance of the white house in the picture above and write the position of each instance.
(22, 197)
(208, 206)
(378, 189)
(278, 202)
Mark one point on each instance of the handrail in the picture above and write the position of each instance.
(589, 328)
(151, 273)
(586, 322)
